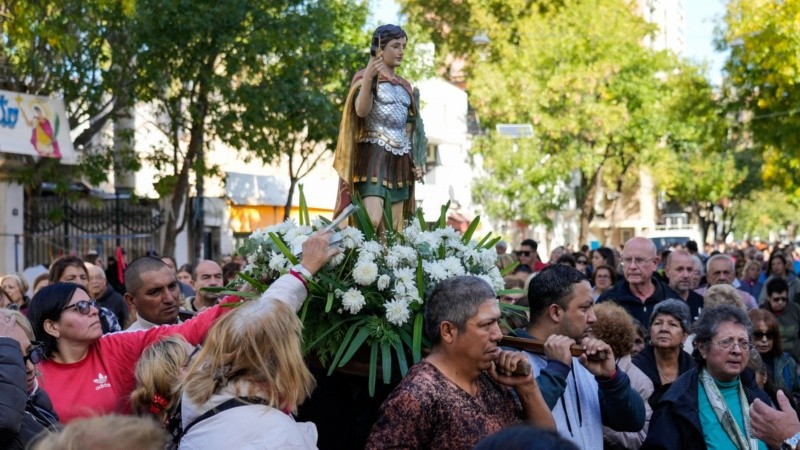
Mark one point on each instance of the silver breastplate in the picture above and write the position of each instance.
(385, 125)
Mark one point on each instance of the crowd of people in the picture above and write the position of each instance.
(674, 350)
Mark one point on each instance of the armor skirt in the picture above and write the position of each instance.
(378, 172)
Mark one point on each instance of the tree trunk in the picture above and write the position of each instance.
(287, 208)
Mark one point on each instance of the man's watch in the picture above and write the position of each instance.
(791, 443)
(302, 271)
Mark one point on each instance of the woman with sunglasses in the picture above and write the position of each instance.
(88, 373)
(25, 409)
(781, 368)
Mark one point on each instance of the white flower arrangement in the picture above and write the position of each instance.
(371, 295)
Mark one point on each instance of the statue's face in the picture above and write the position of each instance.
(393, 52)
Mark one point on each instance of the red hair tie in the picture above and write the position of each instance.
(158, 404)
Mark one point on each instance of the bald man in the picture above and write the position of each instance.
(639, 291)
(206, 274)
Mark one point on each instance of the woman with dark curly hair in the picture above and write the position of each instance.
(616, 327)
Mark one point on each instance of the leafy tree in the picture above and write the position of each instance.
(762, 83)
(576, 70)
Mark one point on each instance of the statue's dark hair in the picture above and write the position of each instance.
(384, 34)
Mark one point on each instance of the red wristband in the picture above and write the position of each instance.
(300, 277)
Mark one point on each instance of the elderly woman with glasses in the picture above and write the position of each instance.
(708, 406)
(25, 409)
(88, 373)
(781, 368)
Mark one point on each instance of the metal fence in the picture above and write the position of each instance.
(54, 227)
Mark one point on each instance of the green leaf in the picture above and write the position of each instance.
(386, 362)
(343, 345)
(373, 368)
(401, 358)
(387, 214)
(303, 207)
(304, 310)
(257, 285)
(470, 230)
(283, 248)
(421, 219)
(443, 216)
(491, 243)
(485, 238)
(362, 219)
(359, 339)
(509, 268)
(329, 303)
(420, 280)
(330, 330)
(416, 349)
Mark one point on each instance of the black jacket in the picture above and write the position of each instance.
(646, 362)
(675, 423)
(115, 302)
(621, 293)
(22, 418)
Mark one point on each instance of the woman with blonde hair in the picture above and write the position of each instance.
(616, 327)
(112, 432)
(249, 375)
(159, 374)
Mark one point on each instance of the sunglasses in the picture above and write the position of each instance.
(83, 306)
(35, 354)
(761, 335)
(524, 253)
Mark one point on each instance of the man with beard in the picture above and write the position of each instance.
(583, 393)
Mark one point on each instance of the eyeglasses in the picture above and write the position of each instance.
(730, 343)
(35, 354)
(635, 261)
(83, 306)
(777, 299)
(761, 335)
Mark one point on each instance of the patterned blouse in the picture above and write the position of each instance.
(427, 410)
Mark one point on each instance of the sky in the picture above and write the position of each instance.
(701, 18)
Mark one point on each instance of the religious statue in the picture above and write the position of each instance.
(381, 149)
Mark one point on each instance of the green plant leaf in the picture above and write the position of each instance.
(509, 268)
(362, 219)
(416, 349)
(304, 217)
(257, 285)
(329, 303)
(304, 310)
(401, 358)
(387, 214)
(283, 248)
(421, 219)
(331, 330)
(471, 230)
(492, 242)
(420, 280)
(386, 362)
(373, 368)
(359, 339)
(443, 216)
(343, 345)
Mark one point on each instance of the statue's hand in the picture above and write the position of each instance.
(419, 173)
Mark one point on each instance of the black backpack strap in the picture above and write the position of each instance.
(224, 406)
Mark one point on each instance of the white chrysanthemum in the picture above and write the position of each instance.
(400, 288)
(383, 282)
(353, 301)
(371, 247)
(336, 260)
(397, 311)
(436, 270)
(488, 259)
(489, 280)
(305, 229)
(365, 273)
(453, 266)
(318, 223)
(450, 233)
(277, 261)
(411, 232)
(351, 237)
(404, 275)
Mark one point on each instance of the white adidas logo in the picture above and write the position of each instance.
(102, 382)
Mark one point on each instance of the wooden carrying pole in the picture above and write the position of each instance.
(536, 346)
